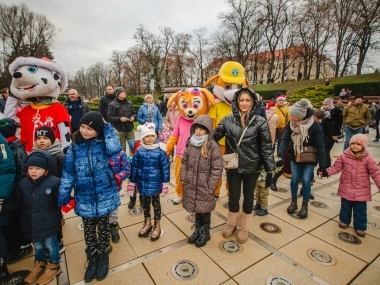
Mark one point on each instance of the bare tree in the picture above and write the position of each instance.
(238, 33)
(118, 59)
(366, 24)
(137, 69)
(156, 50)
(178, 56)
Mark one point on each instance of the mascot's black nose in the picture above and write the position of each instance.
(17, 75)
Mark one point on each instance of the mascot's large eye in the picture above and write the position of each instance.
(227, 87)
(197, 103)
(184, 105)
(32, 69)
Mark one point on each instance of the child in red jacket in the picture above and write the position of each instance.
(357, 167)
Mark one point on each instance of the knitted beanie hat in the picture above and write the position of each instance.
(300, 108)
(39, 158)
(360, 139)
(147, 129)
(8, 127)
(94, 120)
(46, 132)
(119, 90)
(329, 101)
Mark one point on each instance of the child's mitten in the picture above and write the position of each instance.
(67, 208)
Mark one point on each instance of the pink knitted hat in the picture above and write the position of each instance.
(360, 139)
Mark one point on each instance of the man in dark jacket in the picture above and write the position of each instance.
(121, 115)
(377, 123)
(3, 99)
(164, 105)
(76, 109)
(106, 99)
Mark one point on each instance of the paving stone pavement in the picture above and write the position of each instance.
(280, 255)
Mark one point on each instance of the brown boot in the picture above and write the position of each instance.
(231, 224)
(38, 269)
(146, 228)
(50, 272)
(156, 231)
(244, 224)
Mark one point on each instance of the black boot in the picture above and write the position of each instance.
(3, 269)
(204, 235)
(103, 263)
(132, 201)
(115, 237)
(293, 205)
(92, 259)
(274, 186)
(256, 207)
(303, 212)
(196, 227)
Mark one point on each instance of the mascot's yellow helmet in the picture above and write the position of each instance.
(232, 72)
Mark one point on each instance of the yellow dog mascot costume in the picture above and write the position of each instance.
(191, 103)
(39, 81)
(230, 78)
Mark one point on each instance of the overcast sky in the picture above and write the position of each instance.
(91, 29)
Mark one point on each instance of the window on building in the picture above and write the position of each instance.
(293, 73)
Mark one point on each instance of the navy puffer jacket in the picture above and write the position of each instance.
(88, 170)
(150, 168)
(41, 216)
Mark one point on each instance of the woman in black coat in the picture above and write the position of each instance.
(300, 133)
(254, 152)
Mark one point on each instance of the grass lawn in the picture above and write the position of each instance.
(293, 86)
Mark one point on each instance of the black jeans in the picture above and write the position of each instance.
(234, 180)
(329, 143)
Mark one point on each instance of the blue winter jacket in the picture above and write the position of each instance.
(150, 168)
(142, 117)
(88, 170)
(7, 175)
(41, 216)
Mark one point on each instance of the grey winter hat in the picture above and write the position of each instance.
(119, 90)
(300, 108)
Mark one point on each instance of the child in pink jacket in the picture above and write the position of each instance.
(357, 166)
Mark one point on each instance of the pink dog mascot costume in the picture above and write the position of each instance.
(38, 81)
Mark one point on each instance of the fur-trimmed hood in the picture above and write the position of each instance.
(234, 105)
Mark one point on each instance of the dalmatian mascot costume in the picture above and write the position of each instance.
(38, 81)
(230, 78)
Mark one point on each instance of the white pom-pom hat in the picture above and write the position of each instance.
(147, 129)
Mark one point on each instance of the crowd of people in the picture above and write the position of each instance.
(42, 185)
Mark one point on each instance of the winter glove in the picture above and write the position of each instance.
(268, 180)
(65, 149)
(118, 179)
(131, 189)
(322, 172)
(67, 208)
(165, 189)
(279, 162)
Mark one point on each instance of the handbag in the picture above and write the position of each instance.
(308, 155)
(231, 160)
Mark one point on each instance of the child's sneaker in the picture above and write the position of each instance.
(262, 212)
(50, 272)
(177, 200)
(38, 269)
(360, 233)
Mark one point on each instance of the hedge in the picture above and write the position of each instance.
(364, 88)
(316, 94)
(268, 95)
(96, 107)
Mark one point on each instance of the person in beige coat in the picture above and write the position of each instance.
(272, 120)
(201, 169)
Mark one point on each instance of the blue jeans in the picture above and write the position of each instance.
(348, 135)
(360, 213)
(303, 171)
(52, 244)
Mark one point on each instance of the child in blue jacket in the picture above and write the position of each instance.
(88, 170)
(150, 173)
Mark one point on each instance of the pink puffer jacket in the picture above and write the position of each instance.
(354, 182)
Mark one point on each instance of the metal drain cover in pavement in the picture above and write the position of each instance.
(372, 225)
(190, 218)
(225, 205)
(230, 246)
(80, 226)
(278, 280)
(282, 190)
(270, 228)
(150, 233)
(334, 194)
(377, 208)
(321, 257)
(319, 205)
(135, 212)
(184, 270)
(348, 237)
(169, 201)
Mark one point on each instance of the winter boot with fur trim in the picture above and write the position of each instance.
(232, 222)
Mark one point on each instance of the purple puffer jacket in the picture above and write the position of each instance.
(354, 182)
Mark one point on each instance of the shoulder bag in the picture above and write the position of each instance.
(231, 160)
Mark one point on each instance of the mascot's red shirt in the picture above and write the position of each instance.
(36, 116)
